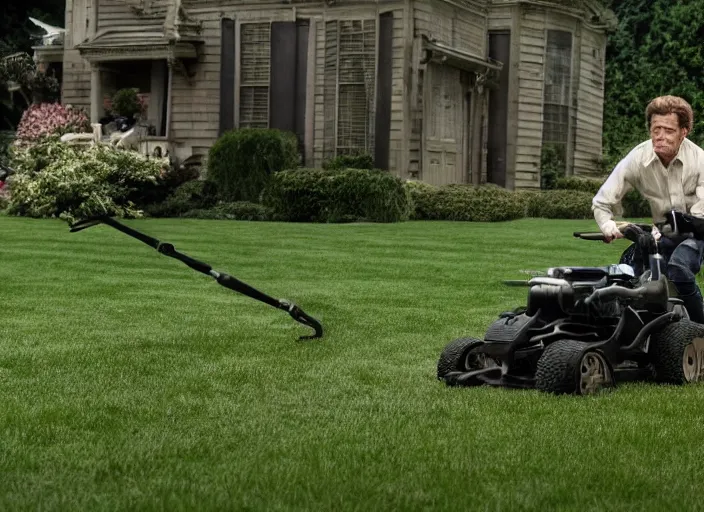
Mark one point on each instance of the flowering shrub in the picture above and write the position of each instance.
(127, 103)
(50, 119)
(80, 182)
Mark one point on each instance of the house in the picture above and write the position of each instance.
(445, 91)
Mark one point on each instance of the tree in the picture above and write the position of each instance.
(655, 50)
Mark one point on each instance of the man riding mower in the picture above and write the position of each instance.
(586, 328)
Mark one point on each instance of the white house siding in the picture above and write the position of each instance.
(590, 101)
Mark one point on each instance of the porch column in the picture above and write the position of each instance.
(95, 93)
(477, 108)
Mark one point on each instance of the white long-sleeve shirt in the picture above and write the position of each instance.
(679, 186)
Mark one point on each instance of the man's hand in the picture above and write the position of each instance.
(611, 231)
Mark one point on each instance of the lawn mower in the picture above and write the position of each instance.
(223, 279)
(584, 329)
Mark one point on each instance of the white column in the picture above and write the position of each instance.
(95, 93)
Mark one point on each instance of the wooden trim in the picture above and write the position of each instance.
(575, 80)
(309, 138)
(425, 106)
(93, 25)
(513, 98)
(413, 101)
(337, 87)
(384, 90)
(404, 156)
(169, 101)
(467, 103)
(238, 70)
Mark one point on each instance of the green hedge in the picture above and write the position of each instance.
(487, 203)
(240, 210)
(633, 204)
(353, 161)
(583, 184)
(348, 195)
(241, 162)
(560, 204)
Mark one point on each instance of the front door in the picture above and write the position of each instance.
(443, 127)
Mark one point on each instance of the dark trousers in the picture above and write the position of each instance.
(683, 262)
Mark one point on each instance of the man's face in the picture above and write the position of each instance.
(666, 135)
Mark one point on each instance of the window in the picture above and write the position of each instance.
(255, 66)
(350, 68)
(556, 101)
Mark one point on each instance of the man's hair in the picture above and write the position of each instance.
(665, 105)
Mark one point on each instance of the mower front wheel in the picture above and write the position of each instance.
(457, 356)
(570, 367)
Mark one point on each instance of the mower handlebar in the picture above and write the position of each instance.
(623, 227)
(589, 236)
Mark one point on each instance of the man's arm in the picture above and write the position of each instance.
(697, 208)
(610, 194)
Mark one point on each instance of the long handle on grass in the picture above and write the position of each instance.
(223, 279)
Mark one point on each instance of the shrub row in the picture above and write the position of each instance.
(633, 205)
(489, 203)
(337, 195)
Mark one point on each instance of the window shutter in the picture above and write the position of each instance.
(227, 76)
(330, 92)
(282, 96)
(382, 130)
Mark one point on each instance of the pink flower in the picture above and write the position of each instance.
(50, 118)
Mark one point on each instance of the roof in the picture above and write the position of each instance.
(148, 43)
(177, 37)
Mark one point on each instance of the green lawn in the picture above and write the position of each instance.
(130, 382)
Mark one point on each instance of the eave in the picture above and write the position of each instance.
(460, 59)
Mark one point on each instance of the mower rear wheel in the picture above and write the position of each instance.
(457, 356)
(677, 352)
(570, 367)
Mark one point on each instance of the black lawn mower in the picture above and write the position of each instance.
(584, 329)
(223, 279)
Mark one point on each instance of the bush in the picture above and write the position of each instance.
(34, 157)
(47, 119)
(82, 182)
(552, 165)
(560, 204)
(241, 162)
(191, 195)
(316, 195)
(240, 210)
(6, 140)
(487, 203)
(580, 183)
(353, 161)
(422, 197)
